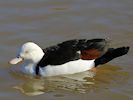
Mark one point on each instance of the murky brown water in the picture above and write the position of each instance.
(48, 22)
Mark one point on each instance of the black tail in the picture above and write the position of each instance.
(111, 54)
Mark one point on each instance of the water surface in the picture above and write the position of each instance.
(48, 22)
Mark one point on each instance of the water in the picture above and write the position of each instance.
(50, 22)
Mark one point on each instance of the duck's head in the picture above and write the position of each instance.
(30, 52)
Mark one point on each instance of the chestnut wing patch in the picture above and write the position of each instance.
(90, 54)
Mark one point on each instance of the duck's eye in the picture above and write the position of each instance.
(26, 52)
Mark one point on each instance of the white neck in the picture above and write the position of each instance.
(29, 65)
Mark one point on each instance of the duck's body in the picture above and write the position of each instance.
(69, 57)
(67, 68)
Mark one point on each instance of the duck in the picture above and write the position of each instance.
(68, 57)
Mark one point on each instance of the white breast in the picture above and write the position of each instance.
(67, 68)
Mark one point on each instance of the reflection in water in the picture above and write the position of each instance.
(36, 86)
(80, 83)
(31, 88)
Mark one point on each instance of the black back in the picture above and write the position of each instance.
(67, 51)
